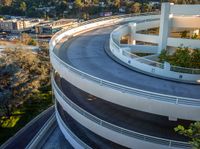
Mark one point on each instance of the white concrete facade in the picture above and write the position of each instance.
(166, 105)
(170, 19)
(111, 132)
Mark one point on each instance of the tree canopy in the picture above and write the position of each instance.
(193, 132)
(22, 73)
(183, 57)
(59, 7)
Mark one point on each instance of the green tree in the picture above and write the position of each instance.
(62, 6)
(22, 74)
(193, 132)
(147, 7)
(164, 56)
(78, 4)
(181, 57)
(23, 7)
(117, 3)
(27, 40)
(136, 7)
(195, 58)
(32, 42)
(6, 2)
(184, 34)
(95, 1)
(85, 16)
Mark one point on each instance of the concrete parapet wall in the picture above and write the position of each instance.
(185, 9)
(186, 75)
(171, 106)
(114, 135)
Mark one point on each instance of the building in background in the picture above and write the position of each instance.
(18, 25)
(51, 27)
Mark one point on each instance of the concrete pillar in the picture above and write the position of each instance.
(167, 66)
(197, 31)
(164, 26)
(132, 31)
(171, 118)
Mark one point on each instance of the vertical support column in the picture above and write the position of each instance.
(164, 26)
(132, 31)
(171, 118)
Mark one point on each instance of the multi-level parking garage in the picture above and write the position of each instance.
(103, 104)
(167, 36)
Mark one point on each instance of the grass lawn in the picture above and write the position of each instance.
(22, 115)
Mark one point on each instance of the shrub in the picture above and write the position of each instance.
(183, 57)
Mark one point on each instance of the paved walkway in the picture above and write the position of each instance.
(86, 53)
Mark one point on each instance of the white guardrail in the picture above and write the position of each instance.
(135, 91)
(54, 39)
(79, 141)
(151, 95)
(188, 75)
(136, 135)
(43, 134)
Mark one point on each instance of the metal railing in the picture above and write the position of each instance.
(160, 65)
(79, 141)
(130, 133)
(125, 89)
(142, 59)
(43, 134)
(184, 70)
(101, 19)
